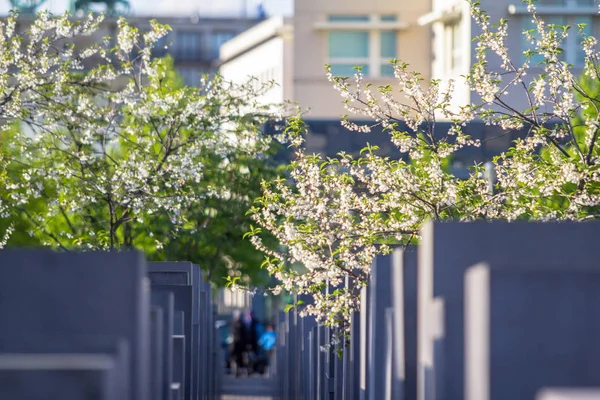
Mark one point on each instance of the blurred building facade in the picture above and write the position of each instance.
(195, 39)
(453, 50)
(342, 33)
(433, 36)
(194, 43)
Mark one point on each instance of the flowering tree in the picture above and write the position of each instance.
(332, 216)
(104, 142)
(4, 208)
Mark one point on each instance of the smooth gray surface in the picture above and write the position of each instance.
(379, 300)
(201, 332)
(183, 309)
(88, 293)
(447, 249)
(308, 371)
(404, 300)
(352, 385)
(365, 333)
(53, 376)
(338, 369)
(314, 344)
(165, 300)
(169, 278)
(156, 353)
(390, 350)
(290, 323)
(116, 348)
(322, 386)
(308, 323)
(179, 364)
(568, 394)
(529, 328)
(184, 273)
(164, 272)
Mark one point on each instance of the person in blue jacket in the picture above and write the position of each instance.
(266, 345)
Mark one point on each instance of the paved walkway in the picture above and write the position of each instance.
(247, 388)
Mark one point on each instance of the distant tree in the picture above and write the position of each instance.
(108, 150)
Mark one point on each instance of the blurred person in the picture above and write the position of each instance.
(239, 333)
(252, 326)
(268, 339)
(266, 345)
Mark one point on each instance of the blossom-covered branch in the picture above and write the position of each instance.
(105, 135)
(332, 216)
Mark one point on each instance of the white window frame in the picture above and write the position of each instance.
(374, 26)
(454, 55)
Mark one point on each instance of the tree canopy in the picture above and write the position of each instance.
(105, 148)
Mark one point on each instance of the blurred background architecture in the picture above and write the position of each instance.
(290, 42)
(199, 28)
(434, 37)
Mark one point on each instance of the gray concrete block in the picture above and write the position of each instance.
(169, 278)
(390, 350)
(306, 326)
(447, 249)
(379, 300)
(404, 301)
(180, 374)
(165, 300)
(526, 329)
(58, 376)
(117, 348)
(568, 394)
(90, 293)
(184, 273)
(352, 387)
(183, 297)
(156, 353)
(176, 391)
(365, 338)
(170, 272)
(315, 355)
(205, 336)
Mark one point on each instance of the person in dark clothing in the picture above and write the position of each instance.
(239, 332)
(253, 332)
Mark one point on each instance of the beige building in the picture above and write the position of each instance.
(263, 53)
(344, 33)
(433, 36)
(341, 33)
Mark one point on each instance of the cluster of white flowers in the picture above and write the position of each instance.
(104, 135)
(332, 216)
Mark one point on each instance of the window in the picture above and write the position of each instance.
(572, 51)
(191, 75)
(187, 44)
(587, 31)
(371, 47)
(454, 46)
(388, 52)
(216, 39)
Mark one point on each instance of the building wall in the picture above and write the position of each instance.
(264, 63)
(570, 13)
(263, 52)
(311, 87)
(193, 43)
(451, 46)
